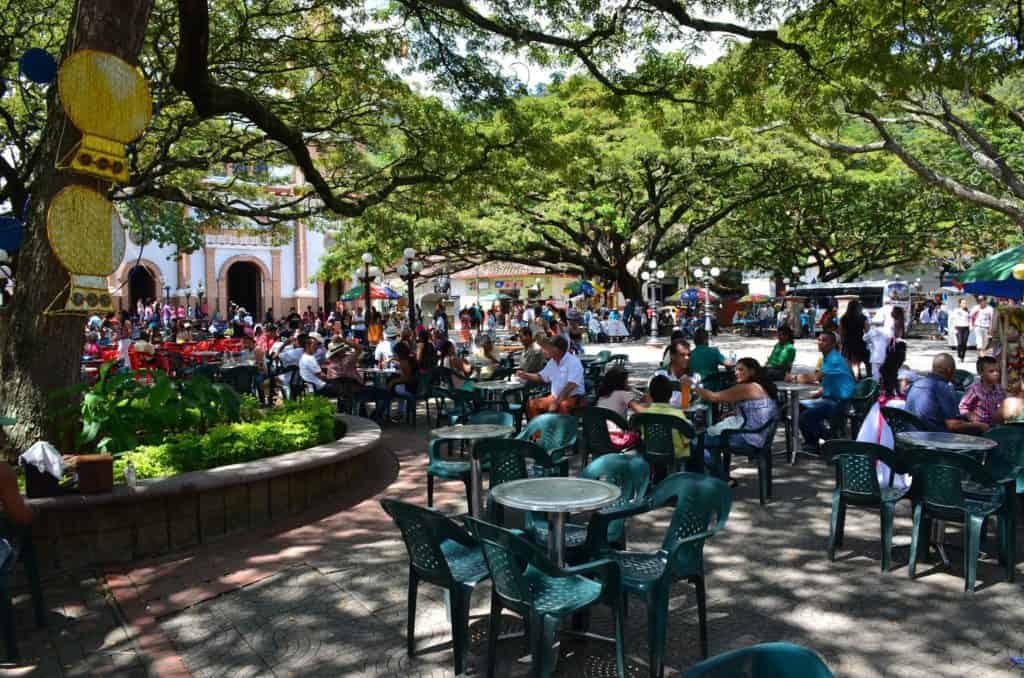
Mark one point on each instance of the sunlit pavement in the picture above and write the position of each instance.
(326, 595)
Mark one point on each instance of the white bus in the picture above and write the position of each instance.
(873, 294)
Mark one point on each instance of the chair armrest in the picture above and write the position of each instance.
(434, 447)
(448, 529)
(607, 571)
(597, 528)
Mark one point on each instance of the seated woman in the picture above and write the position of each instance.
(485, 358)
(754, 395)
(426, 355)
(780, 362)
(461, 370)
(614, 393)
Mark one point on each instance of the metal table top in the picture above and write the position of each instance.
(499, 385)
(941, 440)
(791, 387)
(556, 495)
(472, 431)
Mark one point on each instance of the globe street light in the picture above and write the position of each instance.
(408, 270)
(713, 272)
(201, 292)
(652, 279)
(366, 276)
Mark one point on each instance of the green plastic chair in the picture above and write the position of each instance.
(618, 360)
(956, 488)
(632, 475)
(513, 459)
(768, 660)
(596, 440)
(528, 583)
(439, 466)
(424, 392)
(556, 434)
(857, 485)
(657, 444)
(1008, 460)
(865, 394)
(697, 498)
(444, 554)
(901, 421)
(514, 401)
(962, 380)
(732, 444)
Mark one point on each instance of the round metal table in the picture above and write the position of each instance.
(472, 433)
(947, 442)
(557, 497)
(792, 392)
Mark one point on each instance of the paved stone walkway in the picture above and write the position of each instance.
(326, 596)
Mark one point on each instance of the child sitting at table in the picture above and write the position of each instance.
(983, 399)
(614, 394)
(660, 391)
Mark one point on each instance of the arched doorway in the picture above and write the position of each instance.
(245, 287)
(141, 286)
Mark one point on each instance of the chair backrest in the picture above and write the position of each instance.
(855, 466)
(656, 433)
(719, 381)
(768, 660)
(697, 498)
(619, 359)
(901, 421)
(604, 356)
(501, 373)
(420, 531)
(492, 417)
(865, 389)
(509, 457)
(506, 553)
(553, 432)
(242, 378)
(962, 379)
(628, 472)
(1011, 450)
(596, 440)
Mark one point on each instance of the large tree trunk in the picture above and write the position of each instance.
(40, 354)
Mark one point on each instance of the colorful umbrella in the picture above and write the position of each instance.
(691, 295)
(994, 276)
(753, 299)
(587, 288)
(377, 293)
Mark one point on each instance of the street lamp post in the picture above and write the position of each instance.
(408, 271)
(200, 292)
(366, 277)
(712, 273)
(188, 301)
(167, 293)
(653, 278)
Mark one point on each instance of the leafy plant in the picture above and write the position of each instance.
(294, 426)
(122, 411)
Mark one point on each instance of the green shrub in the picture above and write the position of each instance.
(294, 426)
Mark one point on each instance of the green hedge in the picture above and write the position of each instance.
(294, 426)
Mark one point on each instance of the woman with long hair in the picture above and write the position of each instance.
(754, 395)
(614, 393)
(852, 327)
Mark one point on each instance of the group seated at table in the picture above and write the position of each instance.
(932, 400)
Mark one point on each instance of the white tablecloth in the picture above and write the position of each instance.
(614, 328)
(875, 430)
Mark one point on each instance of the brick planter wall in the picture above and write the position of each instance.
(169, 514)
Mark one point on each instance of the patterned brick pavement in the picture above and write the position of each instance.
(325, 596)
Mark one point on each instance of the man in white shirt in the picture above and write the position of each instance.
(385, 350)
(564, 372)
(309, 370)
(982, 318)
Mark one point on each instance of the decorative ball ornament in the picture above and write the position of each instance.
(38, 65)
(86, 235)
(1018, 271)
(108, 100)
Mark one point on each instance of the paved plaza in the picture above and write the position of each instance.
(325, 595)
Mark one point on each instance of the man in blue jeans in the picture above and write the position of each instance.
(836, 387)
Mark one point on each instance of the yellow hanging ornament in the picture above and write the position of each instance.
(1018, 271)
(86, 235)
(108, 100)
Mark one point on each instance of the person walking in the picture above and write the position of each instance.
(981, 320)
(852, 327)
(961, 321)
